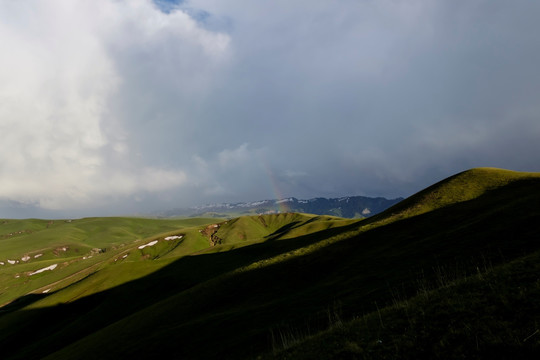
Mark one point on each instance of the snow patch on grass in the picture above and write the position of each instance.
(151, 243)
(52, 267)
(174, 237)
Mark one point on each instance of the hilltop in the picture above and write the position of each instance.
(449, 272)
(467, 185)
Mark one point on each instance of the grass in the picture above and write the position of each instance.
(323, 287)
(108, 248)
(80, 247)
(461, 187)
(491, 315)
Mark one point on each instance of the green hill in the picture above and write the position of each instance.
(461, 187)
(406, 281)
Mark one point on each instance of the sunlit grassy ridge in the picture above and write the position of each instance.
(279, 226)
(461, 187)
(256, 284)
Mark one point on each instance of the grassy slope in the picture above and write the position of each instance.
(464, 186)
(158, 256)
(493, 314)
(281, 226)
(70, 246)
(239, 298)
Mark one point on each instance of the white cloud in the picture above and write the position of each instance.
(64, 141)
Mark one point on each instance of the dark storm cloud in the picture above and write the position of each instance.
(380, 98)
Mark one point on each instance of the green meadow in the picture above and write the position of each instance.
(450, 272)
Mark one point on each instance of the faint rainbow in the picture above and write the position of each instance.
(283, 207)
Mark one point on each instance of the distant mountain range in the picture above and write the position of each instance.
(347, 207)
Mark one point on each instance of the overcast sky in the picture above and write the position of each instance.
(119, 107)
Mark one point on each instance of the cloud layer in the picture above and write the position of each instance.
(128, 106)
(79, 81)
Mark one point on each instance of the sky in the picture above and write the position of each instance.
(112, 107)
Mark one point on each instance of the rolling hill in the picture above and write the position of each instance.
(450, 272)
